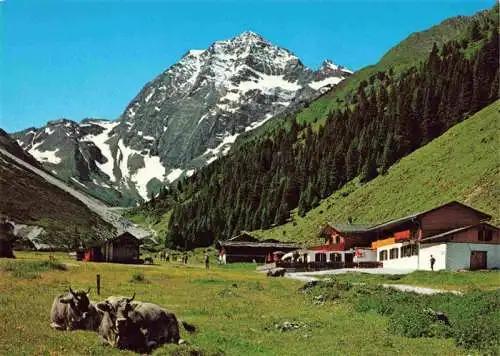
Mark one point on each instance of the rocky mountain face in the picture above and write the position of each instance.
(41, 208)
(185, 118)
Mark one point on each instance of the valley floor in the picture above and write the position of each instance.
(235, 309)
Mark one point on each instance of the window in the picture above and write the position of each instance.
(382, 255)
(394, 253)
(320, 257)
(485, 235)
(335, 257)
(335, 239)
(409, 250)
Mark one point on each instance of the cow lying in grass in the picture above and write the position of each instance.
(70, 311)
(136, 325)
(120, 322)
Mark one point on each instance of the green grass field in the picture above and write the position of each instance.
(235, 309)
(462, 164)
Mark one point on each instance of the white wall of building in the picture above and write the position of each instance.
(458, 255)
(449, 256)
(367, 256)
(400, 262)
(436, 250)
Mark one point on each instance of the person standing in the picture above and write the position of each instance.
(207, 261)
(433, 261)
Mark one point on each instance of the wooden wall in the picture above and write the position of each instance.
(472, 236)
(447, 218)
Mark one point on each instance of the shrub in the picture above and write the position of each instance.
(384, 300)
(138, 277)
(394, 277)
(331, 289)
(334, 284)
(481, 332)
(411, 322)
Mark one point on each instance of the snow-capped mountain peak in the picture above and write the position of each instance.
(186, 117)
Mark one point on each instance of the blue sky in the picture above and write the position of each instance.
(78, 59)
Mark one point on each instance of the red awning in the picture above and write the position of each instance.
(402, 235)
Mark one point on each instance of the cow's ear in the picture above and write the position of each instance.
(66, 300)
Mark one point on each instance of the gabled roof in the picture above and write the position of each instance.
(454, 231)
(356, 228)
(280, 245)
(124, 236)
(244, 236)
(393, 223)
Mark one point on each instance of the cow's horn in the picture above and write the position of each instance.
(131, 299)
(72, 292)
(88, 291)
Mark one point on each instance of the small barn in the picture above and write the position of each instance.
(123, 248)
(246, 248)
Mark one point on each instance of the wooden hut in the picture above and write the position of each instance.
(123, 248)
(246, 248)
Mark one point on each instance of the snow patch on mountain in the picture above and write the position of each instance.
(100, 141)
(174, 174)
(45, 156)
(223, 148)
(78, 182)
(256, 124)
(153, 169)
(327, 81)
(268, 83)
(150, 95)
(196, 52)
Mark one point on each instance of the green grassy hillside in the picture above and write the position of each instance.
(463, 164)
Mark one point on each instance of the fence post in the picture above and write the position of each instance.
(98, 281)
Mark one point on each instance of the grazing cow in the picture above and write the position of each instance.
(70, 310)
(276, 272)
(155, 323)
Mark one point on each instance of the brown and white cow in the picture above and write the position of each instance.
(69, 311)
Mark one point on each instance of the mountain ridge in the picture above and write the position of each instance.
(185, 118)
